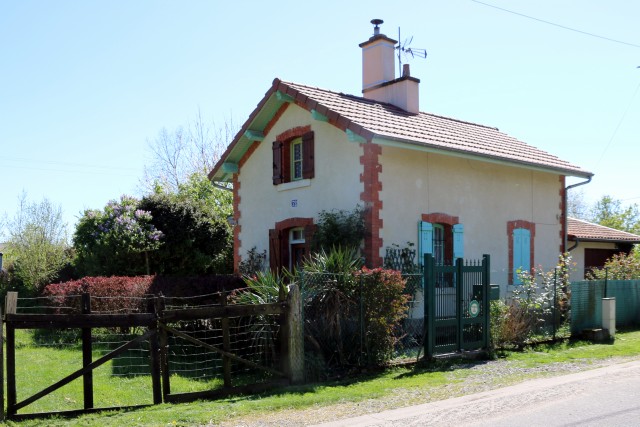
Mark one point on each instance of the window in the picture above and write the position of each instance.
(293, 159)
(444, 241)
(296, 159)
(297, 247)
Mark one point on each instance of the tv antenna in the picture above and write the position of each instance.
(404, 50)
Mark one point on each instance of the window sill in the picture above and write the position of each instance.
(294, 184)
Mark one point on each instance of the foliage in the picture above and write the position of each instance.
(116, 240)
(37, 249)
(196, 241)
(339, 228)
(253, 263)
(619, 267)
(542, 298)
(339, 260)
(384, 306)
(339, 296)
(611, 213)
(262, 288)
(109, 294)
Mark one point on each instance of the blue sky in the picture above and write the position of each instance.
(85, 84)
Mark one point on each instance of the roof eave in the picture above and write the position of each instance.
(420, 146)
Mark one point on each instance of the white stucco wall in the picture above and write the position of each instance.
(336, 184)
(485, 197)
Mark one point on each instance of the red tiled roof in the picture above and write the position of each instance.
(377, 120)
(584, 230)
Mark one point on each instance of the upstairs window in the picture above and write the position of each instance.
(293, 159)
(296, 159)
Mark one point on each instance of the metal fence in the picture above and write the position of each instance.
(586, 303)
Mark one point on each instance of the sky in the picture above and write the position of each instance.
(85, 85)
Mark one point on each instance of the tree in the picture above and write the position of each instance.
(576, 205)
(196, 240)
(177, 155)
(117, 240)
(611, 213)
(37, 247)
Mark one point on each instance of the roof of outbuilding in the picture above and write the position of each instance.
(583, 230)
(379, 122)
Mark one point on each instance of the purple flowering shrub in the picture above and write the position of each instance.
(116, 240)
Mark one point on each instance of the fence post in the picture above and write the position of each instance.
(555, 301)
(11, 308)
(363, 353)
(295, 336)
(164, 349)
(429, 305)
(459, 302)
(1, 366)
(87, 378)
(226, 342)
(155, 358)
(486, 303)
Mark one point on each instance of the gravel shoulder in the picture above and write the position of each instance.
(465, 379)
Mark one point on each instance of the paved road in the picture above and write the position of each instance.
(607, 396)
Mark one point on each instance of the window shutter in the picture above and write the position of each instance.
(275, 261)
(309, 231)
(307, 155)
(521, 253)
(458, 241)
(277, 163)
(425, 239)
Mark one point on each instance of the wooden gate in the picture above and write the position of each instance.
(158, 328)
(456, 306)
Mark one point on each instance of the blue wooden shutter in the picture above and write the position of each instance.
(458, 241)
(425, 240)
(521, 253)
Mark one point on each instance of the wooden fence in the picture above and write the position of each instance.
(157, 326)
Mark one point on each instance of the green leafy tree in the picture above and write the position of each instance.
(611, 213)
(37, 247)
(116, 240)
(195, 240)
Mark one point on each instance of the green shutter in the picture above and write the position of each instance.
(521, 253)
(425, 240)
(458, 241)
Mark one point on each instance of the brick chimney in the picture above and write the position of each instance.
(378, 73)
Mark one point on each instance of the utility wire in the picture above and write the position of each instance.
(557, 25)
(618, 126)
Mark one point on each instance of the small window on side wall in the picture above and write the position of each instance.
(293, 159)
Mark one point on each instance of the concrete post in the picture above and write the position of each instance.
(609, 316)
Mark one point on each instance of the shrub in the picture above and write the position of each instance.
(339, 228)
(385, 305)
(127, 294)
(254, 262)
(619, 267)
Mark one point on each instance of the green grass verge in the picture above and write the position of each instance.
(440, 379)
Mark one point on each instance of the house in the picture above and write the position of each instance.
(593, 244)
(452, 188)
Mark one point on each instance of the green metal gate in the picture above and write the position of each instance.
(456, 306)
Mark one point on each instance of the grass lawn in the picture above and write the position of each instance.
(438, 380)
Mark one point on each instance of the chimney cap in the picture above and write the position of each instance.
(376, 28)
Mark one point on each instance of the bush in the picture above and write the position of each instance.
(619, 267)
(339, 228)
(385, 305)
(127, 294)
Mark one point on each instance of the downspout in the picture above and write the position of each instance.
(574, 246)
(564, 214)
